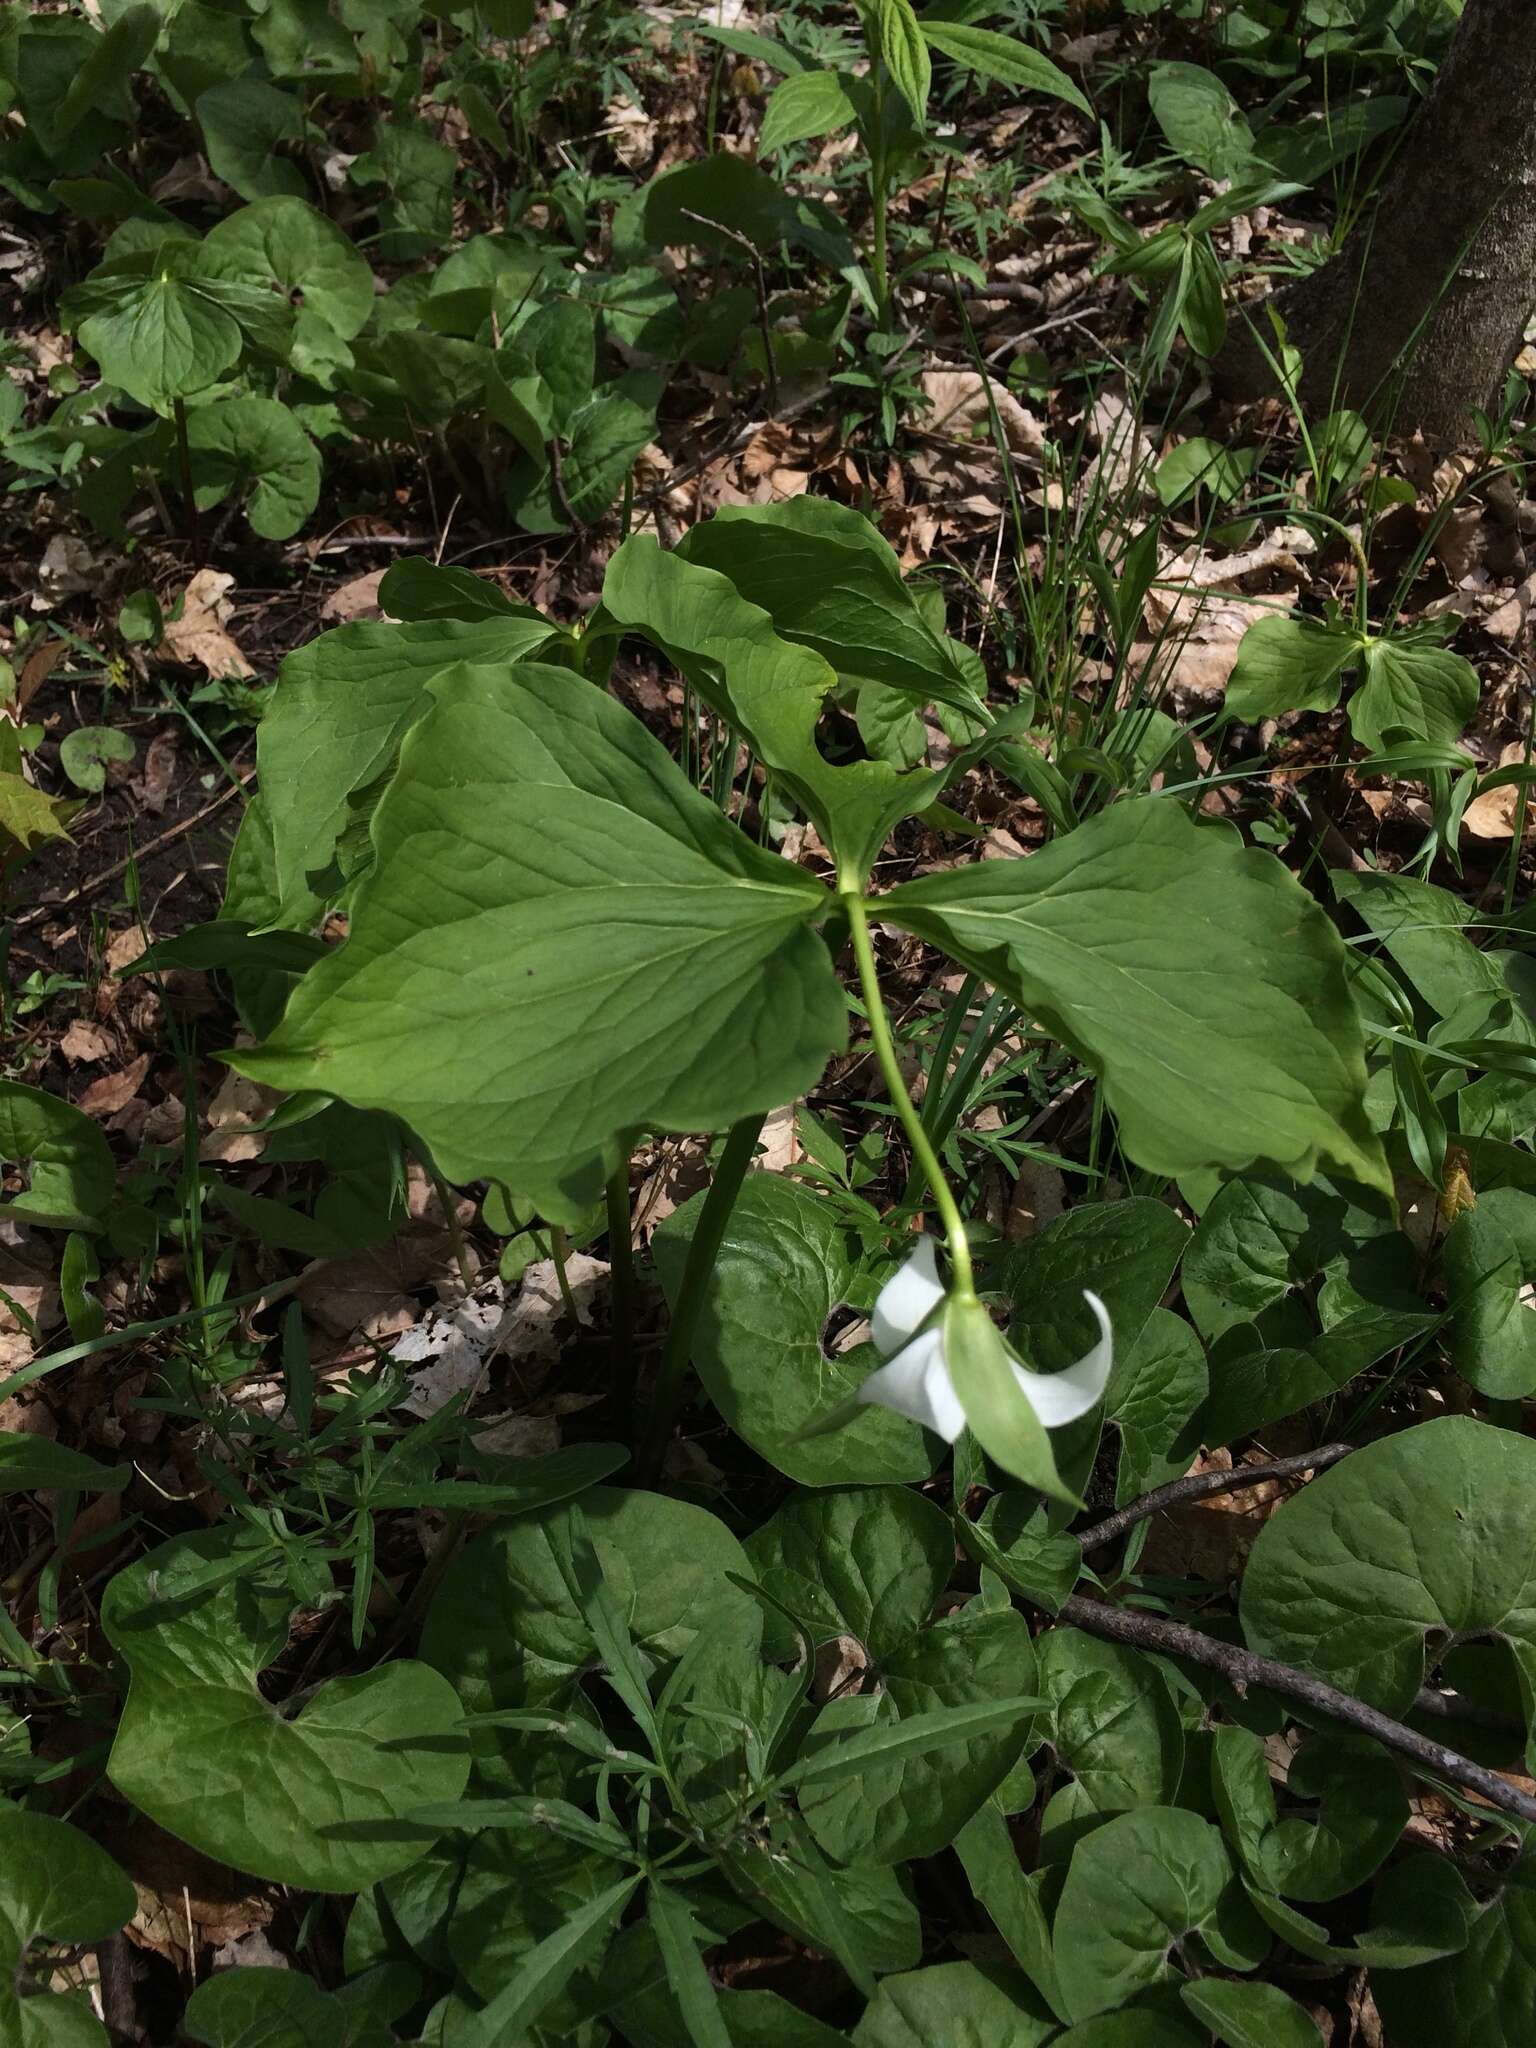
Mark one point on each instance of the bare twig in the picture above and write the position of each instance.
(1203, 1486)
(1242, 1668)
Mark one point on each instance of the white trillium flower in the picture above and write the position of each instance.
(915, 1380)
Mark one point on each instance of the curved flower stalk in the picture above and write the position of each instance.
(947, 1366)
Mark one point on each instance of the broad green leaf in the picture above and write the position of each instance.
(1012, 1537)
(636, 959)
(1126, 1251)
(28, 818)
(1263, 1241)
(120, 52)
(415, 589)
(606, 436)
(196, 1733)
(29, 1462)
(506, 1631)
(1413, 687)
(784, 1265)
(1427, 931)
(1003, 59)
(332, 736)
(245, 125)
(85, 752)
(869, 1563)
(805, 105)
(764, 685)
(1250, 2015)
(961, 2005)
(1193, 975)
(72, 1170)
(54, 1883)
(1485, 1994)
(273, 2008)
(283, 244)
(1134, 2028)
(830, 581)
(158, 332)
(755, 2019)
(1287, 664)
(1361, 1811)
(560, 339)
(723, 188)
(958, 1682)
(1488, 1254)
(1200, 119)
(417, 172)
(1116, 1733)
(1419, 1534)
(1160, 1383)
(1200, 464)
(238, 443)
(905, 53)
(1134, 1888)
(1422, 1910)
(1011, 1897)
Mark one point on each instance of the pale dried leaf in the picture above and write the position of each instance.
(198, 637)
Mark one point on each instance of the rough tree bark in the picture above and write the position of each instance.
(1423, 309)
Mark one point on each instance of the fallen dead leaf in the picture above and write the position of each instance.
(152, 786)
(70, 567)
(123, 948)
(957, 401)
(1493, 814)
(237, 1105)
(358, 599)
(113, 1092)
(85, 1041)
(198, 636)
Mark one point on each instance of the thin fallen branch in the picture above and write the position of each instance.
(1242, 1668)
(1203, 1486)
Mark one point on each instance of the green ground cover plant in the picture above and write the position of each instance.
(795, 1305)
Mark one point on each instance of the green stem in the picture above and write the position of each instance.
(884, 1046)
(708, 1233)
(877, 183)
(621, 1276)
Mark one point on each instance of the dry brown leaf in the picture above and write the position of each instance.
(152, 786)
(358, 599)
(70, 567)
(1493, 814)
(198, 637)
(123, 948)
(85, 1041)
(237, 1105)
(958, 407)
(1038, 1198)
(113, 1092)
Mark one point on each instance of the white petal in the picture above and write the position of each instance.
(1060, 1397)
(913, 1292)
(916, 1383)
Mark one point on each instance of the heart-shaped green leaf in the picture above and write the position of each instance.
(1424, 1533)
(785, 1264)
(255, 443)
(72, 1170)
(54, 1882)
(196, 1736)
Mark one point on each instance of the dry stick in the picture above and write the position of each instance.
(41, 910)
(1242, 1668)
(1203, 1485)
